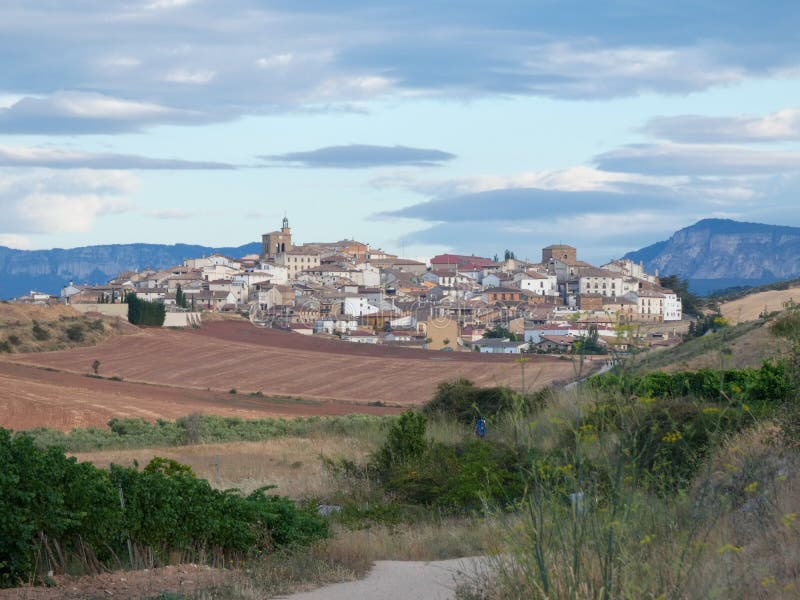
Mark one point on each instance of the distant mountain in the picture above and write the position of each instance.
(714, 254)
(49, 270)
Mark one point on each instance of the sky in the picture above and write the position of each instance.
(419, 127)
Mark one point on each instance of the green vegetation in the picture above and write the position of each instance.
(144, 312)
(57, 514)
(40, 334)
(768, 385)
(199, 429)
(503, 333)
(463, 401)
(691, 303)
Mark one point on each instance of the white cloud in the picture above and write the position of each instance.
(85, 112)
(670, 159)
(781, 125)
(62, 158)
(43, 201)
(190, 76)
(276, 60)
(12, 240)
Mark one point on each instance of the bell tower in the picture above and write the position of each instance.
(276, 242)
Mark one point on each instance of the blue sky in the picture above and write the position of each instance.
(420, 126)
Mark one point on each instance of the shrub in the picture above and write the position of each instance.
(40, 334)
(5, 346)
(14, 340)
(404, 442)
(53, 506)
(75, 332)
(465, 402)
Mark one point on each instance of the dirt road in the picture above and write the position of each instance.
(401, 580)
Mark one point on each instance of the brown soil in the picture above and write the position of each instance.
(168, 374)
(124, 585)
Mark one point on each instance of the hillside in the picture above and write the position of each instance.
(49, 270)
(747, 344)
(751, 306)
(719, 253)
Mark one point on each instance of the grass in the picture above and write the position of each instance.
(194, 429)
(750, 344)
(34, 328)
(292, 464)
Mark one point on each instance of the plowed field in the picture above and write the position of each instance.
(168, 374)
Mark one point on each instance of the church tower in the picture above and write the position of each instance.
(276, 242)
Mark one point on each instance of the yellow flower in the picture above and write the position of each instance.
(672, 437)
(729, 548)
(646, 539)
(789, 518)
(781, 478)
(746, 407)
(751, 487)
(712, 409)
(768, 581)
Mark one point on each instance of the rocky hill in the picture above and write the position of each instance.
(49, 270)
(719, 253)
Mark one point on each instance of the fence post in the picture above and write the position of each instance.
(127, 535)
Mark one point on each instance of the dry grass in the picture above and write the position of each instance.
(292, 464)
(17, 322)
(750, 307)
(438, 540)
(26, 314)
(735, 534)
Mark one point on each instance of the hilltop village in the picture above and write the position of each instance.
(363, 295)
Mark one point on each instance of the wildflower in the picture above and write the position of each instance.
(746, 407)
(768, 581)
(646, 539)
(788, 519)
(751, 487)
(672, 437)
(729, 548)
(730, 467)
(736, 389)
(711, 410)
(781, 478)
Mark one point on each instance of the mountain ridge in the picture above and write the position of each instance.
(713, 254)
(49, 270)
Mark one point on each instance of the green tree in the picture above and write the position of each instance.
(692, 304)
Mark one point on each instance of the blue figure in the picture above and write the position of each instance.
(480, 428)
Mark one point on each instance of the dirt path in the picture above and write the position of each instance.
(402, 580)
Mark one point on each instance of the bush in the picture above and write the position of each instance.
(40, 334)
(53, 506)
(465, 402)
(404, 442)
(5, 346)
(75, 332)
(14, 340)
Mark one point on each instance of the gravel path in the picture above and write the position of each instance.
(402, 580)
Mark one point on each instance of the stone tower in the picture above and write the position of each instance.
(276, 242)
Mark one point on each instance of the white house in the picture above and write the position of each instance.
(496, 346)
(673, 306)
(600, 281)
(360, 337)
(357, 305)
(538, 283)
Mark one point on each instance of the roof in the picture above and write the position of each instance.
(561, 340)
(459, 259)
